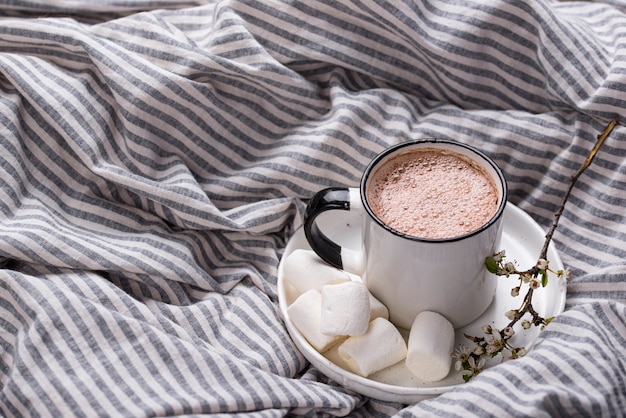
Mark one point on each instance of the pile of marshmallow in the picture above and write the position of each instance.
(334, 308)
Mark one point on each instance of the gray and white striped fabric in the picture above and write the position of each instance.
(156, 156)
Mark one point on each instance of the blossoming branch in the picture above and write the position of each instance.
(497, 341)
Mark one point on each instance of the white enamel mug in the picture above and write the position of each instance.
(410, 274)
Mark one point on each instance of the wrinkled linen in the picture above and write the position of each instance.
(156, 157)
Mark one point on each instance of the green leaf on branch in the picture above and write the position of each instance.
(491, 264)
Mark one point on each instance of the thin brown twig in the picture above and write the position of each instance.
(573, 179)
(526, 306)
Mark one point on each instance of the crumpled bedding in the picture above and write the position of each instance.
(156, 157)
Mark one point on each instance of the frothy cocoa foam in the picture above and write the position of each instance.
(432, 193)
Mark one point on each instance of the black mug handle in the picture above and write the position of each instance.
(332, 198)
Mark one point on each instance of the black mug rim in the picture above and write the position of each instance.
(392, 149)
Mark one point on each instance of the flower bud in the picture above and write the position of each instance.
(497, 257)
(568, 275)
(492, 349)
(508, 332)
(511, 314)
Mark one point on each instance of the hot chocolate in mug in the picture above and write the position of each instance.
(423, 240)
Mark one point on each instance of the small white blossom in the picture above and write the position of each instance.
(515, 291)
(510, 315)
(479, 350)
(542, 264)
(508, 332)
(462, 354)
(474, 368)
(535, 284)
(487, 329)
(509, 268)
(497, 257)
(513, 354)
(492, 349)
(526, 324)
(495, 344)
(567, 273)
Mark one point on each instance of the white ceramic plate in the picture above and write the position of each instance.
(522, 238)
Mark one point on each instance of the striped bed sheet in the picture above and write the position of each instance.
(156, 157)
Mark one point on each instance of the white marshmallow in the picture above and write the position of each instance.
(345, 308)
(431, 341)
(381, 346)
(377, 309)
(304, 270)
(305, 313)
